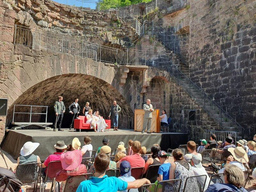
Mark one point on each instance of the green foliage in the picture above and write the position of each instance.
(107, 4)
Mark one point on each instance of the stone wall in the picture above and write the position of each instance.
(220, 50)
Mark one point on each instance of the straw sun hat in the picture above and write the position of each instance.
(28, 148)
(76, 144)
(239, 154)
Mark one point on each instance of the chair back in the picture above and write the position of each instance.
(206, 156)
(199, 181)
(87, 161)
(216, 178)
(113, 172)
(147, 187)
(152, 173)
(53, 168)
(28, 173)
(169, 185)
(73, 182)
(252, 161)
(93, 153)
(183, 148)
(137, 172)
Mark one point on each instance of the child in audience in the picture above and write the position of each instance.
(130, 152)
(125, 174)
(201, 148)
(87, 148)
(164, 168)
(143, 152)
(119, 156)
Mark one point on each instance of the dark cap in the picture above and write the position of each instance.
(229, 139)
(125, 168)
(213, 136)
(105, 140)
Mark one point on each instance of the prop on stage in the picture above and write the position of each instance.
(139, 117)
(80, 123)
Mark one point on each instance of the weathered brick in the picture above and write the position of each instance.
(244, 49)
(246, 41)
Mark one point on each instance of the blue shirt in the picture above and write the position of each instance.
(104, 184)
(224, 188)
(164, 170)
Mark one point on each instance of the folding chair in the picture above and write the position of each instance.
(73, 182)
(147, 188)
(206, 156)
(216, 178)
(52, 169)
(199, 179)
(29, 173)
(169, 185)
(112, 172)
(8, 181)
(137, 172)
(152, 173)
(87, 161)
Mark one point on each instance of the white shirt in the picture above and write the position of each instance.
(76, 104)
(201, 171)
(88, 147)
(164, 120)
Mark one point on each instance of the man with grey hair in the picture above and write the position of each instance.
(148, 108)
(233, 178)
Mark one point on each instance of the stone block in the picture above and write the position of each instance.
(11, 13)
(244, 49)
(237, 42)
(225, 46)
(243, 56)
(54, 15)
(39, 16)
(231, 58)
(234, 50)
(42, 23)
(252, 32)
(246, 41)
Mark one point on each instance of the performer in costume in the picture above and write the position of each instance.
(74, 109)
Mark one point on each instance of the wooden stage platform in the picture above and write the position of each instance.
(15, 139)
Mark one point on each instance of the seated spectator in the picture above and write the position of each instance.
(212, 143)
(125, 174)
(105, 141)
(135, 160)
(71, 164)
(153, 160)
(228, 143)
(87, 148)
(191, 147)
(219, 143)
(103, 183)
(119, 155)
(76, 145)
(60, 147)
(201, 148)
(107, 150)
(121, 148)
(130, 152)
(198, 169)
(143, 153)
(254, 138)
(251, 148)
(27, 155)
(238, 157)
(224, 151)
(240, 143)
(245, 145)
(181, 169)
(233, 178)
(164, 168)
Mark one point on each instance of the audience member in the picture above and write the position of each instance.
(153, 160)
(164, 169)
(105, 141)
(245, 145)
(143, 153)
(130, 152)
(191, 147)
(87, 148)
(201, 148)
(234, 180)
(181, 169)
(212, 143)
(107, 150)
(103, 183)
(240, 143)
(26, 153)
(76, 145)
(135, 160)
(119, 155)
(251, 148)
(238, 158)
(228, 143)
(60, 147)
(254, 138)
(125, 174)
(197, 167)
(121, 148)
(71, 164)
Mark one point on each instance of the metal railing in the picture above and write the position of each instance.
(28, 110)
(221, 135)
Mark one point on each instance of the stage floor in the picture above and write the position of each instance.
(15, 139)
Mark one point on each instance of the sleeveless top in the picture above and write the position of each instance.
(28, 159)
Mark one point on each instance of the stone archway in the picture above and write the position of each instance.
(85, 87)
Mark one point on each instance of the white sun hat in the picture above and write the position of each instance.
(28, 148)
